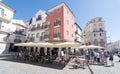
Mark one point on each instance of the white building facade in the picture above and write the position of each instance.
(95, 32)
(18, 34)
(36, 27)
(6, 16)
(78, 33)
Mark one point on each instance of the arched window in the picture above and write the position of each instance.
(39, 18)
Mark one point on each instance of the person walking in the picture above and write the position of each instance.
(98, 57)
(111, 59)
(92, 56)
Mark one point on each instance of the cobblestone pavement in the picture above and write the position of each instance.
(10, 67)
(107, 69)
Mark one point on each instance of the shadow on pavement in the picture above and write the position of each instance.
(76, 67)
(46, 64)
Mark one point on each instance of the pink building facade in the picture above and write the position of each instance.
(60, 24)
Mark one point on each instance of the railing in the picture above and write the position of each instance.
(31, 39)
(5, 18)
(41, 38)
(57, 23)
(20, 32)
(37, 28)
(17, 40)
(99, 31)
(33, 28)
(56, 35)
(46, 36)
(76, 31)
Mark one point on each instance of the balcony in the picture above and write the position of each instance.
(17, 40)
(99, 30)
(31, 39)
(47, 25)
(37, 28)
(95, 42)
(102, 44)
(21, 32)
(41, 38)
(56, 35)
(5, 18)
(46, 37)
(76, 31)
(57, 23)
(33, 28)
(76, 39)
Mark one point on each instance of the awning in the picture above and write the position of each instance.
(24, 44)
(67, 44)
(31, 44)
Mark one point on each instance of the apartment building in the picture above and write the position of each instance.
(78, 33)
(60, 21)
(95, 32)
(6, 16)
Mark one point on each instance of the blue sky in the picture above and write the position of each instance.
(84, 11)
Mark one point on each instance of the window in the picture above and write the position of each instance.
(57, 22)
(1, 12)
(47, 25)
(39, 18)
(42, 36)
(32, 35)
(100, 24)
(101, 29)
(101, 40)
(51, 13)
(46, 35)
(94, 34)
(67, 32)
(67, 21)
(38, 25)
(94, 30)
(37, 35)
(72, 35)
(100, 34)
(58, 9)
(95, 41)
(57, 33)
(0, 24)
(94, 24)
(17, 37)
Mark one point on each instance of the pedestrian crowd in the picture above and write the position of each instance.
(98, 57)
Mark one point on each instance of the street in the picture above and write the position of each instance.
(13, 67)
(99, 69)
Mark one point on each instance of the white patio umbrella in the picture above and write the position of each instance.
(83, 46)
(43, 44)
(24, 44)
(94, 46)
(67, 44)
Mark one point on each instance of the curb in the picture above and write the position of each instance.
(90, 69)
